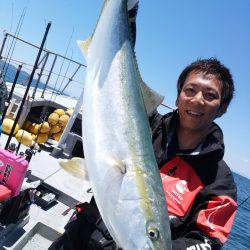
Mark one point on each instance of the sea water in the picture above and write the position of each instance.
(239, 238)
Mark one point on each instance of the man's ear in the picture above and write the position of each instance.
(222, 110)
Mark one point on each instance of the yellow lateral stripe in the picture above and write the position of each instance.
(141, 186)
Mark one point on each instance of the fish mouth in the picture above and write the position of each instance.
(146, 247)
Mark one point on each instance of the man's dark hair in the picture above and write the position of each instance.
(207, 67)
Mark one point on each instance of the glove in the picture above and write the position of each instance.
(79, 228)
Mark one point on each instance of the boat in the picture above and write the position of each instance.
(35, 217)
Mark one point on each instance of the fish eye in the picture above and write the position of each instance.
(152, 232)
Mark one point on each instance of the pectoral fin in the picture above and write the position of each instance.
(76, 167)
(151, 98)
(117, 164)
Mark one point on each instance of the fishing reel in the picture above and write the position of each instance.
(12, 147)
(29, 153)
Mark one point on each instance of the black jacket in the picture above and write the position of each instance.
(199, 186)
(200, 193)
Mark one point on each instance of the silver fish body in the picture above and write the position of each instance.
(117, 140)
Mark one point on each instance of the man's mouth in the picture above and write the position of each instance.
(194, 113)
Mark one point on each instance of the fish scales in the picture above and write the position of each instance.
(117, 135)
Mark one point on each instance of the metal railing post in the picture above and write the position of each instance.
(12, 90)
(40, 75)
(47, 81)
(28, 85)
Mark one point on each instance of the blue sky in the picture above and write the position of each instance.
(170, 35)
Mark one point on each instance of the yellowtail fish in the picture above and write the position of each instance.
(117, 143)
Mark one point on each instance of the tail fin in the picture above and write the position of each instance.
(131, 4)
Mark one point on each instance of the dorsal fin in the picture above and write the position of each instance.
(151, 98)
(84, 46)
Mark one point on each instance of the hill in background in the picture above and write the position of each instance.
(23, 76)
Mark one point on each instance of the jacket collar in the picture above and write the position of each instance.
(211, 148)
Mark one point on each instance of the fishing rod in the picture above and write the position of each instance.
(244, 201)
(40, 75)
(54, 91)
(64, 77)
(66, 51)
(13, 43)
(166, 106)
(11, 23)
(70, 79)
(29, 84)
(49, 75)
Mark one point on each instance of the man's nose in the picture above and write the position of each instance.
(198, 98)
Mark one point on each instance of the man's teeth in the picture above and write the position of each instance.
(193, 113)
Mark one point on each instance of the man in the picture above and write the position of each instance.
(199, 187)
(189, 148)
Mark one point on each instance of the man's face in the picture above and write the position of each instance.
(199, 101)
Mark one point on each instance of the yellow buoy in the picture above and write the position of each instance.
(59, 112)
(42, 138)
(63, 120)
(26, 125)
(7, 126)
(24, 137)
(34, 128)
(33, 136)
(53, 119)
(57, 136)
(55, 129)
(69, 112)
(45, 127)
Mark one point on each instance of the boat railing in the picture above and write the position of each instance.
(54, 71)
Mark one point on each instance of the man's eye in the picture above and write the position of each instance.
(210, 96)
(189, 91)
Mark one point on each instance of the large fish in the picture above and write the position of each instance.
(116, 135)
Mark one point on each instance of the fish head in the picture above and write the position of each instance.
(140, 217)
(153, 237)
(142, 232)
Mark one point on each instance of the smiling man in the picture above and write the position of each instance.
(199, 187)
(188, 145)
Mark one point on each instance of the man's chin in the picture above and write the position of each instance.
(195, 127)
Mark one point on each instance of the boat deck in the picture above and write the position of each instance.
(70, 190)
